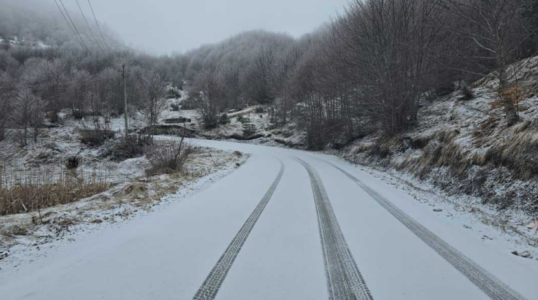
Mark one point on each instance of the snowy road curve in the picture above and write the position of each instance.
(286, 225)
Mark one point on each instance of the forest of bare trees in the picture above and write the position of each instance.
(370, 68)
(367, 70)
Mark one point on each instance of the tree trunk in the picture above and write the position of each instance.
(509, 108)
(25, 135)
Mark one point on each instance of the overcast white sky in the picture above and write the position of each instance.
(165, 26)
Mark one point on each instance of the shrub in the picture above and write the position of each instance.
(467, 93)
(209, 121)
(95, 137)
(167, 157)
(130, 147)
(242, 119)
(79, 114)
(189, 104)
(53, 117)
(174, 107)
(380, 150)
(173, 94)
(259, 110)
(223, 120)
(513, 94)
(248, 129)
(73, 162)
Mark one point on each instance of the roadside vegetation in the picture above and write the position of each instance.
(371, 69)
(32, 192)
(168, 157)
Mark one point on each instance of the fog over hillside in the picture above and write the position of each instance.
(166, 26)
(34, 20)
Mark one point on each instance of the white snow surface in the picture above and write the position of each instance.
(168, 254)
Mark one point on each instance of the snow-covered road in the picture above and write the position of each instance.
(287, 225)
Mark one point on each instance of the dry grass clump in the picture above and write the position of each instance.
(383, 148)
(446, 136)
(451, 155)
(419, 142)
(485, 130)
(438, 150)
(477, 158)
(517, 153)
(31, 193)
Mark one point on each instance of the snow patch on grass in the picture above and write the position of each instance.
(25, 237)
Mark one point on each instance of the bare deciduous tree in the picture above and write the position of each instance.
(496, 33)
(382, 48)
(152, 103)
(27, 113)
(209, 91)
(7, 89)
(77, 91)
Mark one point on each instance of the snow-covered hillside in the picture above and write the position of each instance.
(16, 42)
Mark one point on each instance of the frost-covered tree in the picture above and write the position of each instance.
(387, 48)
(496, 33)
(77, 91)
(7, 62)
(7, 89)
(152, 102)
(529, 13)
(244, 63)
(49, 80)
(27, 113)
(208, 90)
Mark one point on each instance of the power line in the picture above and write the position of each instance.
(75, 27)
(97, 22)
(65, 18)
(88, 24)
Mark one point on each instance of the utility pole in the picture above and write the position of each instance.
(125, 100)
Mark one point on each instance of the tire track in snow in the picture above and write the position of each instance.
(344, 280)
(485, 281)
(213, 282)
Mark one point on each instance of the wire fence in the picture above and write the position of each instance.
(53, 174)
